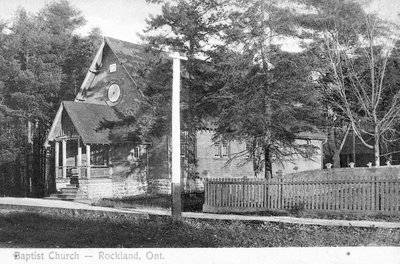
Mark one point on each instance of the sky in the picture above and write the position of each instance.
(123, 19)
(389, 9)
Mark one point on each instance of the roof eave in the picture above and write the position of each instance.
(91, 72)
(52, 133)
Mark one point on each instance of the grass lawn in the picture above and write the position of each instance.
(193, 202)
(28, 229)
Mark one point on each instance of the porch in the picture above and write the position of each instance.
(86, 161)
(82, 171)
(79, 138)
(75, 159)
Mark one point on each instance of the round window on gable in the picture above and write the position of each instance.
(113, 92)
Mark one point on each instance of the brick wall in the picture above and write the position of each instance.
(210, 165)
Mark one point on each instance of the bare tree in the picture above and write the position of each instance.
(359, 87)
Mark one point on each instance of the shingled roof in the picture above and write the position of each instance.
(88, 117)
(133, 57)
(128, 53)
(88, 120)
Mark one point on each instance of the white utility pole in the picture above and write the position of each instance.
(176, 138)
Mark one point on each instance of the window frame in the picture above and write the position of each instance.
(222, 150)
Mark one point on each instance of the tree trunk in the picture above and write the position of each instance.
(192, 120)
(376, 150)
(336, 158)
(267, 163)
(335, 148)
(256, 167)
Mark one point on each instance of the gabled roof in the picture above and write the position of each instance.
(132, 57)
(129, 54)
(88, 119)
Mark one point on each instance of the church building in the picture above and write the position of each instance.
(88, 164)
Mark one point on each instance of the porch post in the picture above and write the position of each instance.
(87, 160)
(64, 158)
(57, 156)
(79, 161)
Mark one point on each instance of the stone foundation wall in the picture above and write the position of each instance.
(163, 186)
(96, 188)
(127, 181)
(159, 186)
(128, 187)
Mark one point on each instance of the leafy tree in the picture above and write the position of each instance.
(77, 61)
(235, 72)
(266, 110)
(61, 19)
(35, 51)
(36, 55)
(191, 26)
(266, 97)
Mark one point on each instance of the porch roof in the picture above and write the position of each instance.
(88, 119)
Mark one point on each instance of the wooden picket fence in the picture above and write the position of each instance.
(364, 193)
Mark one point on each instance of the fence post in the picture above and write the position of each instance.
(279, 190)
(396, 192)
(244, 203)
(372, 193)
(376, 194)
(205, 192)
(265, 194)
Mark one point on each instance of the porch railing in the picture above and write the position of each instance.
(96, 171)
